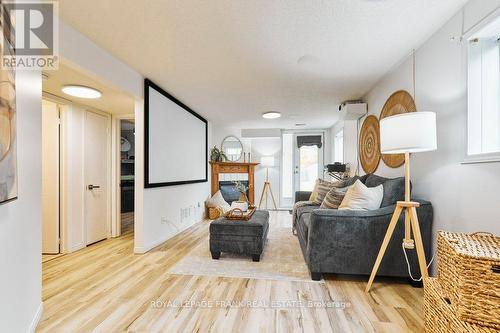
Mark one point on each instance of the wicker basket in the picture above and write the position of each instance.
(439, 314)
(214, 213)
(469, 273)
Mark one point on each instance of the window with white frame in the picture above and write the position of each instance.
(338, 146)
(483, 110)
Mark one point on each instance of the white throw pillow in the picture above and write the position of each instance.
(218, 201)
(361, 197)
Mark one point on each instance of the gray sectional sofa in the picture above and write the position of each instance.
(347, 242)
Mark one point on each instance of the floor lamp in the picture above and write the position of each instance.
(406, 133)
(267, 162)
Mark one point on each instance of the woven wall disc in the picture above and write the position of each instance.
(369, 144)
(399, 102)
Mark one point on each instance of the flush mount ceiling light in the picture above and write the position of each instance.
(271, 115)
(81, 91)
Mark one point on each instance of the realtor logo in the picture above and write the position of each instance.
(30, 34)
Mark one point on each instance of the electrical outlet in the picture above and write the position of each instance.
(164, 220)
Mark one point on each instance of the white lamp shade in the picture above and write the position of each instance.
(267, 161)
(411, 132)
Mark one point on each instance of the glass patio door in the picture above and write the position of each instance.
(302, 164)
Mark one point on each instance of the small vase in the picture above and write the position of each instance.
(243, 197)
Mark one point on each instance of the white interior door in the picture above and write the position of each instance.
(96, 171)
(50, 178)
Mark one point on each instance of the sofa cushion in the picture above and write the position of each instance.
(333, 198)
(305, 224)
(361, 197)
(394, 189)
(323, 188)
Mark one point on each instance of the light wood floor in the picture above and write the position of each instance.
(106, 288)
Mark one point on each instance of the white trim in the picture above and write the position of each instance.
(36, 319)
(158, 242)
(481, 24)
(116, 172)
(75, 247)
(481, 158)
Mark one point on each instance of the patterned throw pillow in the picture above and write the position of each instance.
(334, 198)
(323, 188)
(314, 192)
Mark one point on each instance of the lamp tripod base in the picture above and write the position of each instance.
(265, 191)
(411, 224)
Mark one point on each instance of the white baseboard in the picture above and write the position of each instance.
(36, 319)
(152, 245)
(76, 247)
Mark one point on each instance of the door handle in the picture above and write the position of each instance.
(91, 187)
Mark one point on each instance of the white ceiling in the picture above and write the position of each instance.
(231, 60)
(112, 101)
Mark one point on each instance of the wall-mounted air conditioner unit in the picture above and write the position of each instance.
(352, 110)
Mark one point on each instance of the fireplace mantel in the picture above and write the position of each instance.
(234, 167)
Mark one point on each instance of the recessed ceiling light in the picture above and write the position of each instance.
(271, 115)
(81, 91)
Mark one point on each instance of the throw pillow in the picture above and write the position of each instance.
(218, 201)
(334, 198)
(324, 187)
(361, 197)
(314, 192)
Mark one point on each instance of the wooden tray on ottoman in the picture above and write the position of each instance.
(238, 214)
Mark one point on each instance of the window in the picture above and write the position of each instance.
(338, 146)
(483, 115)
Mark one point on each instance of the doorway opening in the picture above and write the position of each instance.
(127, 171)
(302, 163)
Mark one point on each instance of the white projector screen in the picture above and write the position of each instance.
(176, 140)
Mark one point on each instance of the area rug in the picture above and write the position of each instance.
(281, 260)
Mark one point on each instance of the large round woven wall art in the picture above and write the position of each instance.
(369, 144)
(399, 102)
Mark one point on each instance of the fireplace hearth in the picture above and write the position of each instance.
(224, 170)
(229, 192)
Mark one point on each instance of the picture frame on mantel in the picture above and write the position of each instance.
(8, 129)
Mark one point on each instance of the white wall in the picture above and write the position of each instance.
(465, 196)
(166, 211)
(151, 205)
(267, 147)
(350, 143)
(72, 178)
(20, 220)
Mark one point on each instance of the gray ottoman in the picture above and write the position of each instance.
(234, 236)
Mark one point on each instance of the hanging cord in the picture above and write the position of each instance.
(414, 79)
(408, 264)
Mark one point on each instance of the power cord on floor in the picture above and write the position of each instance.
(408, 263)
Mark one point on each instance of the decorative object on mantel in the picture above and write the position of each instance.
(398, 103)
(267, 162)
(232, 148)
(233, 167)
(242, 188)
(217, 155)
(369, 144)
(406, 133)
